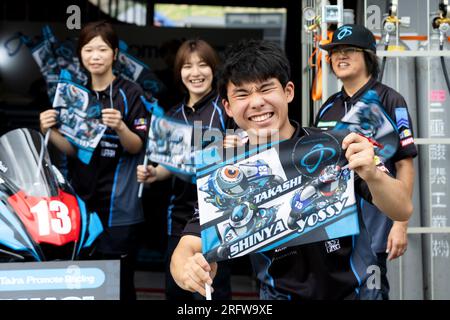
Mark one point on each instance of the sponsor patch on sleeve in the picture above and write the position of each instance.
(140, 124)
(405, 134)
(407, 142)
(401, 114)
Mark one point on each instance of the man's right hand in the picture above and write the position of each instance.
(146, 174)
(48, 119)
(196, 273)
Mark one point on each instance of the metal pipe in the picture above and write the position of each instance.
(324, 29)
(340, 3)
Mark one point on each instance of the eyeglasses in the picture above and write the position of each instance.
(346, 50)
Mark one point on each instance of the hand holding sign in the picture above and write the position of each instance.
(48, 119)
(360, 155)
(113, 119)
(368, 118)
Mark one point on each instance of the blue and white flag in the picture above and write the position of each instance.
(52, 56)
(368, 118)
(79, 116)
(135, 70)
(170, 144)
(296, 192)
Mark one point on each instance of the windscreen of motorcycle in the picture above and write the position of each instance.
(25, 163)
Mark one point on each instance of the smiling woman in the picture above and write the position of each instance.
(194, 67)
(106, 183)
(194, 70)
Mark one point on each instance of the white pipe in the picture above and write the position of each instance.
(324, 29)
(395, 3)
(365, 13)
(428, 230)
(430, 209)
(414, 53)
(340, 3)
(427, 141)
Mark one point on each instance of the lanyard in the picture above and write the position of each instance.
(212, 116)
(110, 96)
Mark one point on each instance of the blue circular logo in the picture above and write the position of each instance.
(314, 152)
(344, 32)
(318, 154)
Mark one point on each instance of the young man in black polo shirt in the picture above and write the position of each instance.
(256, 89)
(354, 62)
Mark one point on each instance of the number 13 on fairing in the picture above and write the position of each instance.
(45, 220)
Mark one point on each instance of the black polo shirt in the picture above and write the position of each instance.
(395, 106)
(210, 112)
(108, 182)
(313, 271)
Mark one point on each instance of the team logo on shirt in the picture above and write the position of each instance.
(332, 245)
(108, 153)
(140, 124)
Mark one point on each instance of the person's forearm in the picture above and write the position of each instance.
(162, 173)
(403, 224)
(390, 196)
(129, 140)
(61, 143)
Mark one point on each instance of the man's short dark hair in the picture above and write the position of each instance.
(252, 61)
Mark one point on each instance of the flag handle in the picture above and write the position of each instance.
(208, 291)
(47, 137)
(141, 185)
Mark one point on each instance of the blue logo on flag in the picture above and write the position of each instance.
(319, 154)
